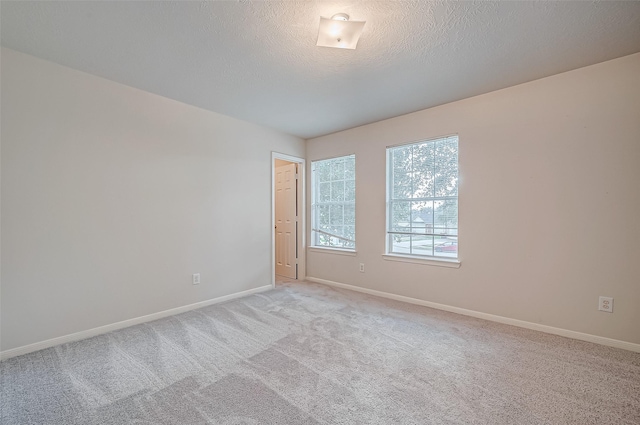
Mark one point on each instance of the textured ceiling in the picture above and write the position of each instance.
(257, 60)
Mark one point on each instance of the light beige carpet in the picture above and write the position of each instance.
(309, 354)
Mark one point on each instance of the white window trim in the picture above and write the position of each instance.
(322, 248)
(425, 260)
(332, 250)
(408, 258)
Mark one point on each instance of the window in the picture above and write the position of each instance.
(333, 207)
(422, 198)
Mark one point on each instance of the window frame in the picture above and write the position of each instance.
(433, 259)
(315, 203)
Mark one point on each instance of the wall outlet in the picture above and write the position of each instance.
(361, 267)
(605, 304)
(196, 279)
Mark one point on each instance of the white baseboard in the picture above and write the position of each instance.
(486, 316)
(124, 324)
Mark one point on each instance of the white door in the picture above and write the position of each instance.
(286, 230)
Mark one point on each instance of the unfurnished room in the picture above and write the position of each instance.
(320, 212)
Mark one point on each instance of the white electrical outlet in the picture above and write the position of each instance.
(196, 279)
(605, 304)
(361, 267)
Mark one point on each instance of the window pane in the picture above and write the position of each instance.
(402, 158)
(402, 186)
(323, 171)
(323, 216)
(421, 216)
(446, 247)
(401, 168)
(336, 214)
(423, 171)
(446, 168)
(350, 190)
(350, 234)
(350, 168)
(446, 216)
(400, 216)
(337, 169)
(400, 244)
(325, 192)
(337, 191)
(421, 245)
(349, 214)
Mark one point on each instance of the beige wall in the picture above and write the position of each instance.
(112, 197)
(549, 202)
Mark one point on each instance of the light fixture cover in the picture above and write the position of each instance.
(343, 34)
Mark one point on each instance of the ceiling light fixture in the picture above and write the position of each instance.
(339, 32)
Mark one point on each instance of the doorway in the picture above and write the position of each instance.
(287, 217)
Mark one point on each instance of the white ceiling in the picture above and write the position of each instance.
(257, 60)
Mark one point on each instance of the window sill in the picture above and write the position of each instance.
(327, 250)
(430, 261)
